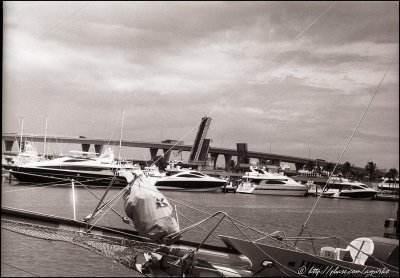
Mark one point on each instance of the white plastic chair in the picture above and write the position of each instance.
(360, 249)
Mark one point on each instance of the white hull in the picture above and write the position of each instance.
(174, 188)
(281, 190)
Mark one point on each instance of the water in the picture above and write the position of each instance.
(25, 256)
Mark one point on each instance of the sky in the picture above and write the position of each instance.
(293, 78)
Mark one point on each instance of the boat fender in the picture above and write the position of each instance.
(267, 264)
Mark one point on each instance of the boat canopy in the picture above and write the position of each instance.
(386, 250)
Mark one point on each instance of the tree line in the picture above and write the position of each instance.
(370, 172)
(348, 170)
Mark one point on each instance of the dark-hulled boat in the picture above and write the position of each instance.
(97, 171)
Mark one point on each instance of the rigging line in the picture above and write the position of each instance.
(120, 195)
(299, 35)
(262, 251)
(348, 143)
(33, 187)
(21, 269)
(104, 203)
(287, 245)
(191, 221)
(226, 100)
(59, 22)
(233, 220)
(178, 201)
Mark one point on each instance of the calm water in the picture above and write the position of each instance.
(25, 256)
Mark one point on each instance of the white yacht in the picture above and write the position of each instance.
(259, 181)
(190, 180)
(389, 185)
(344, 188)
(93, 171)
(28, 155)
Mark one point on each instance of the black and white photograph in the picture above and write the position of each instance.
(200, 139)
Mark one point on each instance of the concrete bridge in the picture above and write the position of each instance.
(214, 152)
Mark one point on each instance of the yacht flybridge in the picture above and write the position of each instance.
(91, 171)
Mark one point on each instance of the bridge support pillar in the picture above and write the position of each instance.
(153, 153)
(98, 148)
(214, 157)
(167, 154)
(228, 158)
(85, 147)
(9, 145)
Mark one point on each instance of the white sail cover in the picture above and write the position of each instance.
(150, 211)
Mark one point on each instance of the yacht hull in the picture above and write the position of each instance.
(275, 190)
(358, 194)
(192, 186)
(42, 175)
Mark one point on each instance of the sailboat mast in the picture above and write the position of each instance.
(22, 130)
(120, 139)
(44, 144)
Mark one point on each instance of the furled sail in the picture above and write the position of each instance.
(150, 211)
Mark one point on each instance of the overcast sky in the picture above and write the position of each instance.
(295, 76)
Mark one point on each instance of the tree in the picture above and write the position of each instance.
(371, 169)
(392, 174)
(309, 166)
(328, 167)
(231, 165)
(355, 174)
(346, 168)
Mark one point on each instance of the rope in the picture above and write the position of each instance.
(33, 187)
(348, 143)
(120, 194)
(106, 203)
(21, 269)
(119, 249)
(251, 77)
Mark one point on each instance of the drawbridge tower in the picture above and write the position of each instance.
(201, 145)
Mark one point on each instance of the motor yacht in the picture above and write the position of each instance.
(190, 180)
(389, 185)
(344, 188)
(91, 171)
(260, 181)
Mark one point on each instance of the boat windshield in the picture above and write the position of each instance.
(197, 173)
(357, 187)
(190, 175)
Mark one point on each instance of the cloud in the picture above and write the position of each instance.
(170, 63)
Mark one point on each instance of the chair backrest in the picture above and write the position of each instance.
(360, 249)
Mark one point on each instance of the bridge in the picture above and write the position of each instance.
(166, 146)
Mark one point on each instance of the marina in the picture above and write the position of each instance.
(269, 213)
(256, 139)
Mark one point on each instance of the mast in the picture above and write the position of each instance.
(44, 144)
(22, 130)
(120, 139)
